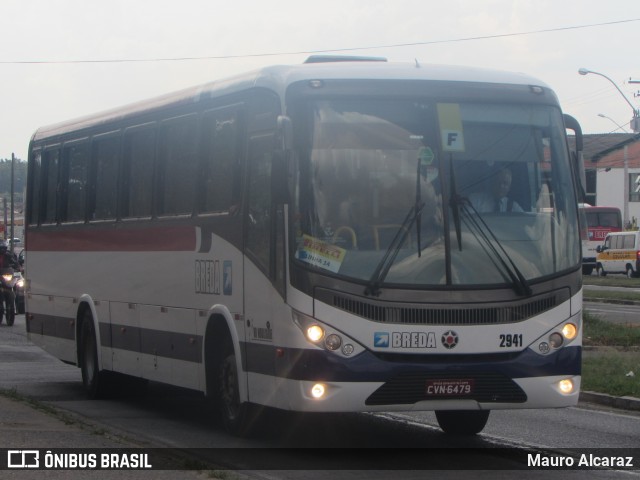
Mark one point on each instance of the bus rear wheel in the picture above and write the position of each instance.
(93, 379)
(462, 422)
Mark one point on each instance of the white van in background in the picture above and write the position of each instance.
(620, 253)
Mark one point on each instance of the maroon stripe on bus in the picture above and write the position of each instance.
(116, 239)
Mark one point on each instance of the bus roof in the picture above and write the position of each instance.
(278, 78)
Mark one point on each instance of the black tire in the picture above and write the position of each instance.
(236, 417)
(11, 317)
(20, 307)
(93, 379)
(10, 312)
(587, 270)
(462, 422)
(601, 271)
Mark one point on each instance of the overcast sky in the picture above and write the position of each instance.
(59, 36)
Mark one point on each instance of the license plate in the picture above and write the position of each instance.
(450, 388)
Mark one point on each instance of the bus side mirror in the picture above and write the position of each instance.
(577, 160)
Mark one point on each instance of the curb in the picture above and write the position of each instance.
(611, 300)
(624, 403)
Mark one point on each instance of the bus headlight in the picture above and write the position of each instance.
(559, 337)
(326, 337)
(333, 342)
(569, 331)
(315, 333)
(556, 340)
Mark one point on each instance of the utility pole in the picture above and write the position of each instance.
(635, 122)
(13, 161)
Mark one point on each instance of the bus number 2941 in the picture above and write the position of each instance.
(509, 340)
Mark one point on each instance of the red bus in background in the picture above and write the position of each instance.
(599, 222)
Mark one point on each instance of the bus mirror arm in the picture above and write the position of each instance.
(281, 161)
(577, 158)
(279, 177)
(285, 133)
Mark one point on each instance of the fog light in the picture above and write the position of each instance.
(332, 342)
(555, 339)
(569, 331)
(317, 391)
(315, 333)
(566, 386)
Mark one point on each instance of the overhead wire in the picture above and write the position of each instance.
(312, 52)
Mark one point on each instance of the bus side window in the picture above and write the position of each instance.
(219, 179)
(51, 167)
(106, 155)
(139, 157)
(177, 160)
(34, 203)
(76, 169)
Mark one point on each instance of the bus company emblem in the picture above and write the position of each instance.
(450, 339)
(381, 339)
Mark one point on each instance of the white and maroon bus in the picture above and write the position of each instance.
(303, 238)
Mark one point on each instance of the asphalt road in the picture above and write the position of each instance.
(615, 313)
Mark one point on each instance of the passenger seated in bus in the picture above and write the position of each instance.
(497, 198)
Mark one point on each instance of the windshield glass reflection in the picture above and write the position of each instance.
(383, 200)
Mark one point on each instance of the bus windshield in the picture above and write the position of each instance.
(419, 193)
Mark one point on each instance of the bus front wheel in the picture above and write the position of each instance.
(234, 414)
(462, 422)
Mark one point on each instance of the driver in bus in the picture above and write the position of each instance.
(497, 199)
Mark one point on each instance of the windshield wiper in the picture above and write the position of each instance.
(456, 201)
(381, 271)
(414, 216)
(418, 215)
(482, 231)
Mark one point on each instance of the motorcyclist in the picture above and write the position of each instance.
(7, 260)
(7, 295)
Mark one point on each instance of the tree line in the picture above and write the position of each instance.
(19, 174)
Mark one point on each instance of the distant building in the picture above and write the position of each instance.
(604, 156)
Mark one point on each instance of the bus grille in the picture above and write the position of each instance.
(410, 388)
(446, 314)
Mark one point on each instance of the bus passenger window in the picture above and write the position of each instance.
(106, 156)
(51, 166)
(139, 155)
(77, 163)
(177, 166)
(35, 168)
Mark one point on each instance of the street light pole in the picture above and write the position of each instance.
(620, 127)
(635, 122)
(635, 126)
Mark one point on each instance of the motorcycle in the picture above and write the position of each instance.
(8, 282)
